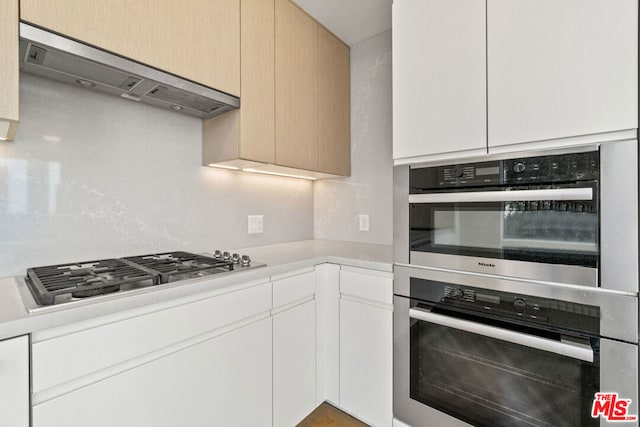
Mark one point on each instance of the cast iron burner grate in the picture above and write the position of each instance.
(174, 266)
(85, 279)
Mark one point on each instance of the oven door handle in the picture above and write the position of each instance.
(557, 194)
(574, 350)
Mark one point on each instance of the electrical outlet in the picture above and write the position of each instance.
(255, 224)
(364, 222)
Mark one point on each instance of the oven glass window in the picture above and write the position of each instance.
(551, 232)
(488, 382)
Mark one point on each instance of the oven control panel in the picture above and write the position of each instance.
(562, 168)
(550, 169)
(508, 306)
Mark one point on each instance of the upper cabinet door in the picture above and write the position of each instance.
(334, 103)
(296, 78)
(439, 77)
(195, 39)
(257, 53)
(560, 68)
(8, 68)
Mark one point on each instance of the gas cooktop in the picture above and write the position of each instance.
(65, 283)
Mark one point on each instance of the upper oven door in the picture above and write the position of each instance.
(541, 232)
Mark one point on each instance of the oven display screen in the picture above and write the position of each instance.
(488, 171)
(492, 299)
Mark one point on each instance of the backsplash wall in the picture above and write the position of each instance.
(90, 176)
(369, 189)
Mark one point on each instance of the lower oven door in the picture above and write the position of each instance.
(449, 372)
(491, 376)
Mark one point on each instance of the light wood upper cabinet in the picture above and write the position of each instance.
(439, 77)
(334, 104)
(248, 134)
(9, 87)
(296, 75)
(195, 39)
(561, 68)
(257, 49)
(294, 117)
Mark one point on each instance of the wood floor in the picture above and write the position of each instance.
(328, 415)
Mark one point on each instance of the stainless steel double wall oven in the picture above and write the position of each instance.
(516, 288)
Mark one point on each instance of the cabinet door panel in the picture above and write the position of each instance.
(366, 347)
(439, 77)
(14, 382)
(195, 39)
(296, 77)
(560, 68)
(294, 364)
(257, 115)
(334, 101)
(225, 381)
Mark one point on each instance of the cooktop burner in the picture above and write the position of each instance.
(57, 284)
(174, 266)
(79, 280)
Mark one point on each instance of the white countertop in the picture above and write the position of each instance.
(280, 258)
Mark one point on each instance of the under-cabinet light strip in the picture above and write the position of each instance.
(234, 168)
(278, 174)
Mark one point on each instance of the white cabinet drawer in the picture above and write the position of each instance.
(367, 284)
(294, 287)
(223, 381)
(61, 359)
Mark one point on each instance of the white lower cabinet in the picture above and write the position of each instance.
(224, 381)
(294, 364)
(294, 347)
(366, 345)
(264, 354)
(14, 382)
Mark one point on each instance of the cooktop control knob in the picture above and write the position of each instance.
(226, 256)
(519, 167)
(519, 305)
(245, 260)
(217, 254)
(235, 258)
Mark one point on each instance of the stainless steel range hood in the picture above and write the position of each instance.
(59, 58)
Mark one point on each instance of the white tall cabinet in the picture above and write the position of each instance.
(561, 68)
(439, 77)
(472, 77)
(14, 382)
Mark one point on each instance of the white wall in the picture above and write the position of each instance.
(91, 176)
(369, 190)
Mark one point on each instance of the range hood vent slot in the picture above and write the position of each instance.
(177, 97)
(56, 57)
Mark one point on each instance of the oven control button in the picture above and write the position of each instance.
(459, 172)
(226, 256)
(217, 254)
(245, 260)
(235, 258)
(519, 305)
(519, 167)
(456, 293)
